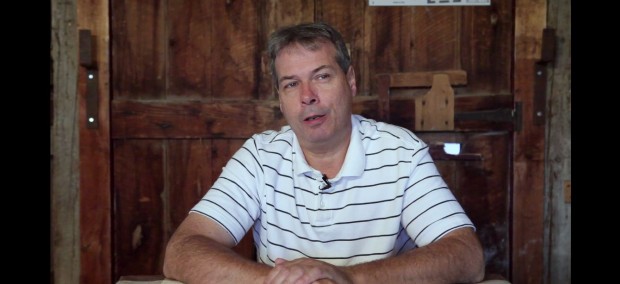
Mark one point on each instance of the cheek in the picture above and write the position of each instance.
(287, 108)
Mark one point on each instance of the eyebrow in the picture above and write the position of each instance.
(316, 70)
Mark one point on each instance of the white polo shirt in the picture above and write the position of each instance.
(387, 198)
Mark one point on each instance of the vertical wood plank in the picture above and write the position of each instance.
(348, 17)
(558, 219)
(487, 195)
(487, 46)
(235, 49)
(409, 39)
(412, 39)
(366, 85)
(529, 151)
(189, 173)
(430, 39)
(138, 225)
(385, 54)
(280, 13)
(190, 48)
(276, 14)
(64, 221)
(95, 196)
(138, 49)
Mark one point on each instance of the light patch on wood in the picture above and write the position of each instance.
(436, 107)
(144, 199)
(136, 238)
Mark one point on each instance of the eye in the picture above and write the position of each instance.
(290, 85)
(322, 76)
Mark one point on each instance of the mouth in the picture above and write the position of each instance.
(313, 117)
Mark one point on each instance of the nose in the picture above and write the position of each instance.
(309, 95)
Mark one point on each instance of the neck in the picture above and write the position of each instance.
(328, 160)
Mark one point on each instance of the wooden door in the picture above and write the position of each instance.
(188, 82)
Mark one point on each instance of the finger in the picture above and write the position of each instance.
(280, 260)
(284, 274)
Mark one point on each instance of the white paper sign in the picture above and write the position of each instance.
(429, 2)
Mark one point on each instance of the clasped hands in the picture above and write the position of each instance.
(306, 270)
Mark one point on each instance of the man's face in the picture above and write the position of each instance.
(315, 94)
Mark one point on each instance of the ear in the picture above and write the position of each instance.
(351, 81)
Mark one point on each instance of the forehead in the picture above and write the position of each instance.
(296, 61)
(315, 50)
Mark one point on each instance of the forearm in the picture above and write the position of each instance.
(198, 259)
(458, 259)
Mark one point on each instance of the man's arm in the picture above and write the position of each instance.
(455, 258)
(200, 251)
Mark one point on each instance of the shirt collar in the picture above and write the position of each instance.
(354, 161)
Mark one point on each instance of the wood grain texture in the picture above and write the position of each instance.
(235, 49)
(487, 198)
(476, 39)
(498, 45)
(385, 34)
(415, 39)
(435, 110)
(227, 60)
(189, 175)
(224, 119)
(139, 182)
(487, 44)
(190, 43)
(95, 182)
(482, 188)
(138, 49)
(529, 151)
(64, 145)
(434, 42)
(558, 214)
(280, 13)
(241, 119)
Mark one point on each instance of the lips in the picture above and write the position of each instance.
(313, 117)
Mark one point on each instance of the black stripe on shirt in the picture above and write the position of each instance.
(214, 219)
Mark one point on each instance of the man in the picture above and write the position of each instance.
(332, 197)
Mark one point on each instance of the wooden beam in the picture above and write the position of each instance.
(95, 180)
(65, 262)
(193, 119)
(230, 118)
(425, 79)
(558, 212)
(529, 148)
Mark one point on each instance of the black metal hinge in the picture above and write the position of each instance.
(496, 115)
(92, 78)
(540, 72)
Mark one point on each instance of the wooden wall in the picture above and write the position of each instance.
(187, 77)
(185, 50)
(199, 70)
(177, 64)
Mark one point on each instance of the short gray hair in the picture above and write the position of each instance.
(309, 35)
